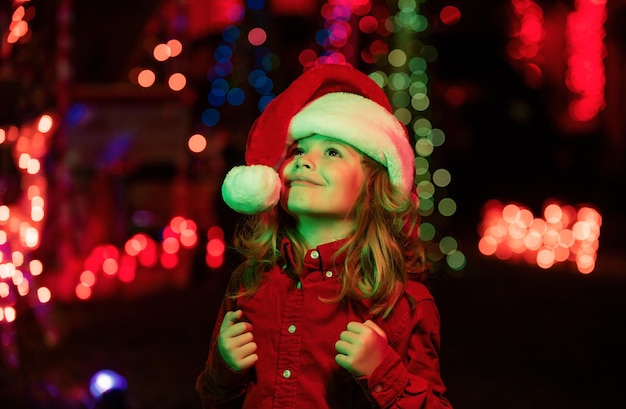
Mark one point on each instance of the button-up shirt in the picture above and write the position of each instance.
(295, 330)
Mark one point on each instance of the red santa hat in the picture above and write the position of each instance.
(332, 100)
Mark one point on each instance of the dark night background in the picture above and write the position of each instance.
(514, 336)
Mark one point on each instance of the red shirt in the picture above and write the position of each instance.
(296, 332)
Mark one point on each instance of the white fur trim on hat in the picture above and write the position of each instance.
(363, 124)
(251, 189)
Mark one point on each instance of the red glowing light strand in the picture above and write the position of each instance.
(585, 75)
(21, 221)
(141, 250)
(510, 232)
(526, 38)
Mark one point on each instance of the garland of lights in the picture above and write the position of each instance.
(20, 226)
(407, 83)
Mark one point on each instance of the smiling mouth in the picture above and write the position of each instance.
(305, 183)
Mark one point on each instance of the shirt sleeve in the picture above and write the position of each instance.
(220, 386)
(409, 377)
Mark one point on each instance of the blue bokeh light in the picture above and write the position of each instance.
(236, 96)
(106, 380)
(210, 117)
(255, 4)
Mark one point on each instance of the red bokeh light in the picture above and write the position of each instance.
(563, 234)
(450, 15)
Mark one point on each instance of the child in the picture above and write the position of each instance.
(327, 310)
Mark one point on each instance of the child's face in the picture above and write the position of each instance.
(322, 178)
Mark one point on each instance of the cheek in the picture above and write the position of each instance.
(353, 187)
(286, 168)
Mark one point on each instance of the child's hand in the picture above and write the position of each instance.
(361, 348)
(235, 342)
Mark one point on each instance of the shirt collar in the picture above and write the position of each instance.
(322, 258)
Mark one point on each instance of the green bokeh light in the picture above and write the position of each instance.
(425, 189)
(379, 78)
(426, 206)
(427, 231)
(417, 87)
(438, 137)
(424, 176)
(403, 115)
(448, 244)
(420, 102)
(456, 260)
(407, 5)
(421, 165)
(424, 147)
(399, 81)
(417, 65)
(404, 74)
(397, 58)
(441, 177)
(401, 99)
(447, 207)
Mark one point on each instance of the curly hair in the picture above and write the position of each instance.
(381, 255)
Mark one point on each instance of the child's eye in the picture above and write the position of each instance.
(295, 151)
(333, 152)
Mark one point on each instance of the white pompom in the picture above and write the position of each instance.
(251, 189)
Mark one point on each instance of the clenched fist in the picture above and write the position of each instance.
(361, 348)
(235, 342)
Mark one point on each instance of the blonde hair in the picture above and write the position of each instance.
(381, 255)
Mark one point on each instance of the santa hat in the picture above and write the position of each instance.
(332, 100)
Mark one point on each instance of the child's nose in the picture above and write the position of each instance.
(306, 160)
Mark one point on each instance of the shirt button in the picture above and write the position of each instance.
(315, 255)
(286, 373)
(291, 329)
(378, 388)
(299, 285)
(329, 274)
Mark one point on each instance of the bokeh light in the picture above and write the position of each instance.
(146, 78)
(197, 143)
(257, 36)
(563, 233)
(450, 15)
(105, 381)
(177, 81)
